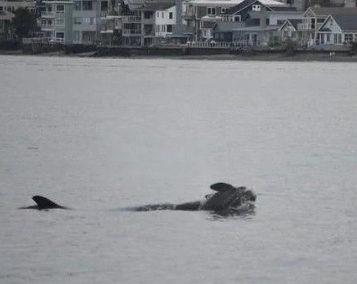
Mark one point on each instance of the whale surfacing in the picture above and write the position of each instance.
(226, 200)
(43, 203)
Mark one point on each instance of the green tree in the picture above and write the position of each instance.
(23, 22)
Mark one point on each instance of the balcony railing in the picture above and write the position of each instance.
(131, 32)
(47, 27)
(132, 19)
(47, 14)
(189, 15)
(210, 44)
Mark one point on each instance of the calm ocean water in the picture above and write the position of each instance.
(101, 135)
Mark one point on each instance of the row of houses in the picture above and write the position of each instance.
(195, 22)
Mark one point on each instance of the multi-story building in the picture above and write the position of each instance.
(201, 13)
(139, 24)
(56, 21)
(76, 21)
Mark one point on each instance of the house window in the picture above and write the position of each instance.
(211, 11)
(224, 10)
(157, 14)
(77, 5)
(77, 36)
(237, 18)
(256, 8)
(87, 5)
(171, 15)
(59, 21)
(77, 21)
(60, 9)
(104, 6)
(162, 15)
(60, 35)
(169, 28)
(328, 37)
(348, 37)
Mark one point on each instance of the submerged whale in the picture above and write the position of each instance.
(227, 199)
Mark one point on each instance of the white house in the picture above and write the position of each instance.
(165, 21)
(338, 29)
(289, 30)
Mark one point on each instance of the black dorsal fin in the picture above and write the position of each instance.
(45, 203)
(222, 186)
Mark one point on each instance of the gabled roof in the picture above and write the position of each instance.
(347, 23)
(150, 5)
(325, 11)
(158, 5)
(271, 4)
(293, 22)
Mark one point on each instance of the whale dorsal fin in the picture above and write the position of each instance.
(45, 203)
(221, 186)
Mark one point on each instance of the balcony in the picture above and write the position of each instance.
(128, 32)
(189, 15)
(47, 27)
(132, 19)
(47, 14)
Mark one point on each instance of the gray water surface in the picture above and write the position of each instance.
(102, 135)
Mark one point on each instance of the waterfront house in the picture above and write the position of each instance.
(254, 22)
(56, 21)
(338, 29)
(200, 16)
(76, 21)
(289, 30)
(314, 17)
(165, 21)
(142, 26)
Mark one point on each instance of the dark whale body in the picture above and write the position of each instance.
(43, 203)
(227, 199)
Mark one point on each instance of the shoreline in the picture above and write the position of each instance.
(259, 56)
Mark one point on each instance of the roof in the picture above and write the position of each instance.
(228, 3)
(150, 5)
(325, 11)
(247, 3)
(158, 4)
(227, 26)
(346, 22)
(256, 29)
(293, 22)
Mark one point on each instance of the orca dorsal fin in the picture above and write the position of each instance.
(222, 186)
(45, 203)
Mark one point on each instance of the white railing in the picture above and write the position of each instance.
(199, 44)
(131, 19)
(35, 40)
